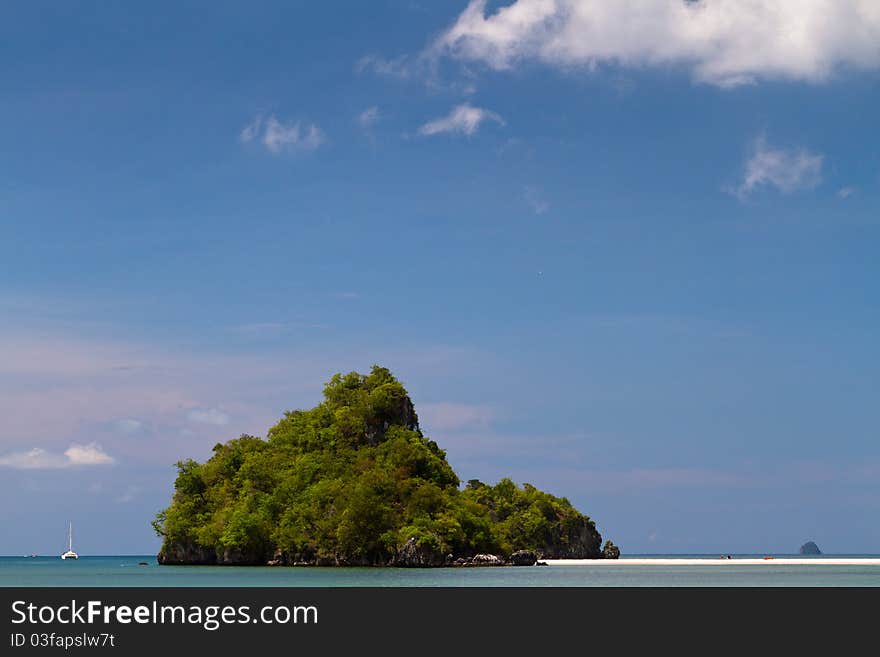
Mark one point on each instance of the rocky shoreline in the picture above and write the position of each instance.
(409, 556)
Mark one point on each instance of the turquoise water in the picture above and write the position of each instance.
(125, 571)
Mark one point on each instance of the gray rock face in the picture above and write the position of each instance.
(182, 554)
(412, 555)
(524, 558)
(400, 412)
(279, 558)
(581, 541)
(486, 560)
(295, 558)
(610, 551)
(810, 548)
(233, 557)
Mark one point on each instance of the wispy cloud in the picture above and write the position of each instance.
(273, 329)
(369, 117)
(128, 425)
(33, 356)
(846, 192)
(447, 416)
(251, 131)
(421, 67)
(88, 389)
(636, 481)
(130, 493)
(722, 42)
(260, 327)
(463, 119)
(787, 170)
(213, 416)
(277, 136)
(399, 67)
(74, 456)
(57, 389)
(536, 200)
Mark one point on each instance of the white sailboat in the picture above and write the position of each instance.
(70, 554)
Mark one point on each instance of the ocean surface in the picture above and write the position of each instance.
(126, 571)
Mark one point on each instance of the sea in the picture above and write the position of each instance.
(144, 571)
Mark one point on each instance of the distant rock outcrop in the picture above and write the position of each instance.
(810, 548)
(486, 560)
(523, 558)
(610, 551)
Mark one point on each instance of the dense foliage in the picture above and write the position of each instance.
(352, 481)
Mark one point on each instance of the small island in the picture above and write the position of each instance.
(810, 548)
(354, 482)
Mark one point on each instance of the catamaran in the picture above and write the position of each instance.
(70, 554)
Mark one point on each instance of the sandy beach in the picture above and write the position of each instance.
(709, 561)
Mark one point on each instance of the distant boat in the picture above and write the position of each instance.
(70, 554)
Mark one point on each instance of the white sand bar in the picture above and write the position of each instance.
(709, 561)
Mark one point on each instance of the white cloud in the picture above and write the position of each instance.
(369, 117)
(90, 454)
(721, 42)
(787, 170)
(277, 136)
(40, 459)
(846, 192)
(208, 416)
(463, 119)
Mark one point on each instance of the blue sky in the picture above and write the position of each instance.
(627, 256)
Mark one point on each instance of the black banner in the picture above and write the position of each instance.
(415, 621)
